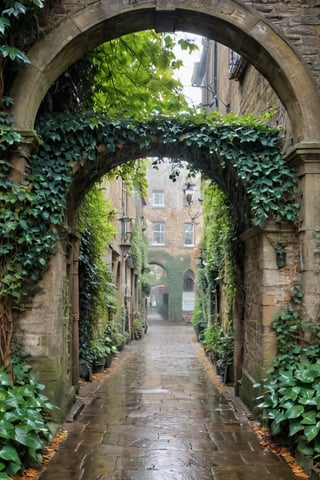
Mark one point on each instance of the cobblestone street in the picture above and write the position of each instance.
(162, 417)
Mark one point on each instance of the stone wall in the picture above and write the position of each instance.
(267, 289)
(44, 332)
(299, 22)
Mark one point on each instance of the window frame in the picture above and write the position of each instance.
(156, 193)
(185, 234)
(160, 232)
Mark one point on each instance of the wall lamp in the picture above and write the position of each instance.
(126, 229)
(281, 255)
(188, 190)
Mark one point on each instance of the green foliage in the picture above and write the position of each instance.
(198, 321)
(290, 400)
(23, 429)
(139, 248)
(134, 174)
(18, 24)
(97, 291)
(134, 75)
(219, 344)
(8, 136)
(218, 239)
(33, 212)
(218, 252)
(31, 215)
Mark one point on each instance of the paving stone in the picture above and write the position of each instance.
(160, 417)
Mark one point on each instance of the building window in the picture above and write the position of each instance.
(158, 199)
(189, 234)
(188, 284)
(158, 233)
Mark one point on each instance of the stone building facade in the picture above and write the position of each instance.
(173, 216)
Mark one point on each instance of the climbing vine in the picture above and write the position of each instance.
(216, 278)
(97, 291)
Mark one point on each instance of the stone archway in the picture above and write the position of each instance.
(232, 24)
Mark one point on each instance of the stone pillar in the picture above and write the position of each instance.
(20, 155)
(267, 284)
(306, 160)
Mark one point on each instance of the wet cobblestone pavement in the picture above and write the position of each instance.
(160, 417)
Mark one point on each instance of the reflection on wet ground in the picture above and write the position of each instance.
(161, 417)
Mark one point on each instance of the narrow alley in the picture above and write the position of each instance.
(161, 417)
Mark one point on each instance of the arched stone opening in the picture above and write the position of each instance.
(226, 177)
(232, 24)
(91, 171)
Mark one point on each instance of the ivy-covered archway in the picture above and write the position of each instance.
(241, 155)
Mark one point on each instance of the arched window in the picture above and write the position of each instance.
(188, 281)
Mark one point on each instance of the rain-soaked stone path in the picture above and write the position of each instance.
(160, 417)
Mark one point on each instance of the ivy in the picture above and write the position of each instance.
(217, 269)
(34, 212)
(18, 26)
(97, 290)
(23, 428)
(290, 400)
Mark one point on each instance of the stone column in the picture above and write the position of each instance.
(306, 159)
(20, 154)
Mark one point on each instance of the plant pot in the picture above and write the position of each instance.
(220, 370)
(121, 346)
(98, 365)
(86, 371)
(108, 360)
(229, 373)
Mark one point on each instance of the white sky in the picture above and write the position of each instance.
(193, 94)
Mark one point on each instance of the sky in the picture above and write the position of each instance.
(192, 94)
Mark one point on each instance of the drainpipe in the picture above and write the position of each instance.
(75, 252)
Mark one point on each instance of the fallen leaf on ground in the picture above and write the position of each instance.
(267, 441)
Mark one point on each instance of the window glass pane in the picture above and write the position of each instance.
(158, 199)
(158, 233)
(189, 234)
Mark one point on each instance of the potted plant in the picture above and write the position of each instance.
(224, 356)
(137, 326)
(219, 346)
(100, 351)
(111, 349)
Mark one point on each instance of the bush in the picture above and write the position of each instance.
(290, 398)
(23, 428)
(291, 402)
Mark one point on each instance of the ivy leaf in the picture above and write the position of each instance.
(4, 24)
(312, 431)
(295, 427)
(295, 412)
(13, 53)
(8, 452)
(16, 10)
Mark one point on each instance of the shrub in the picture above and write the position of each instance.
(23, 428)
